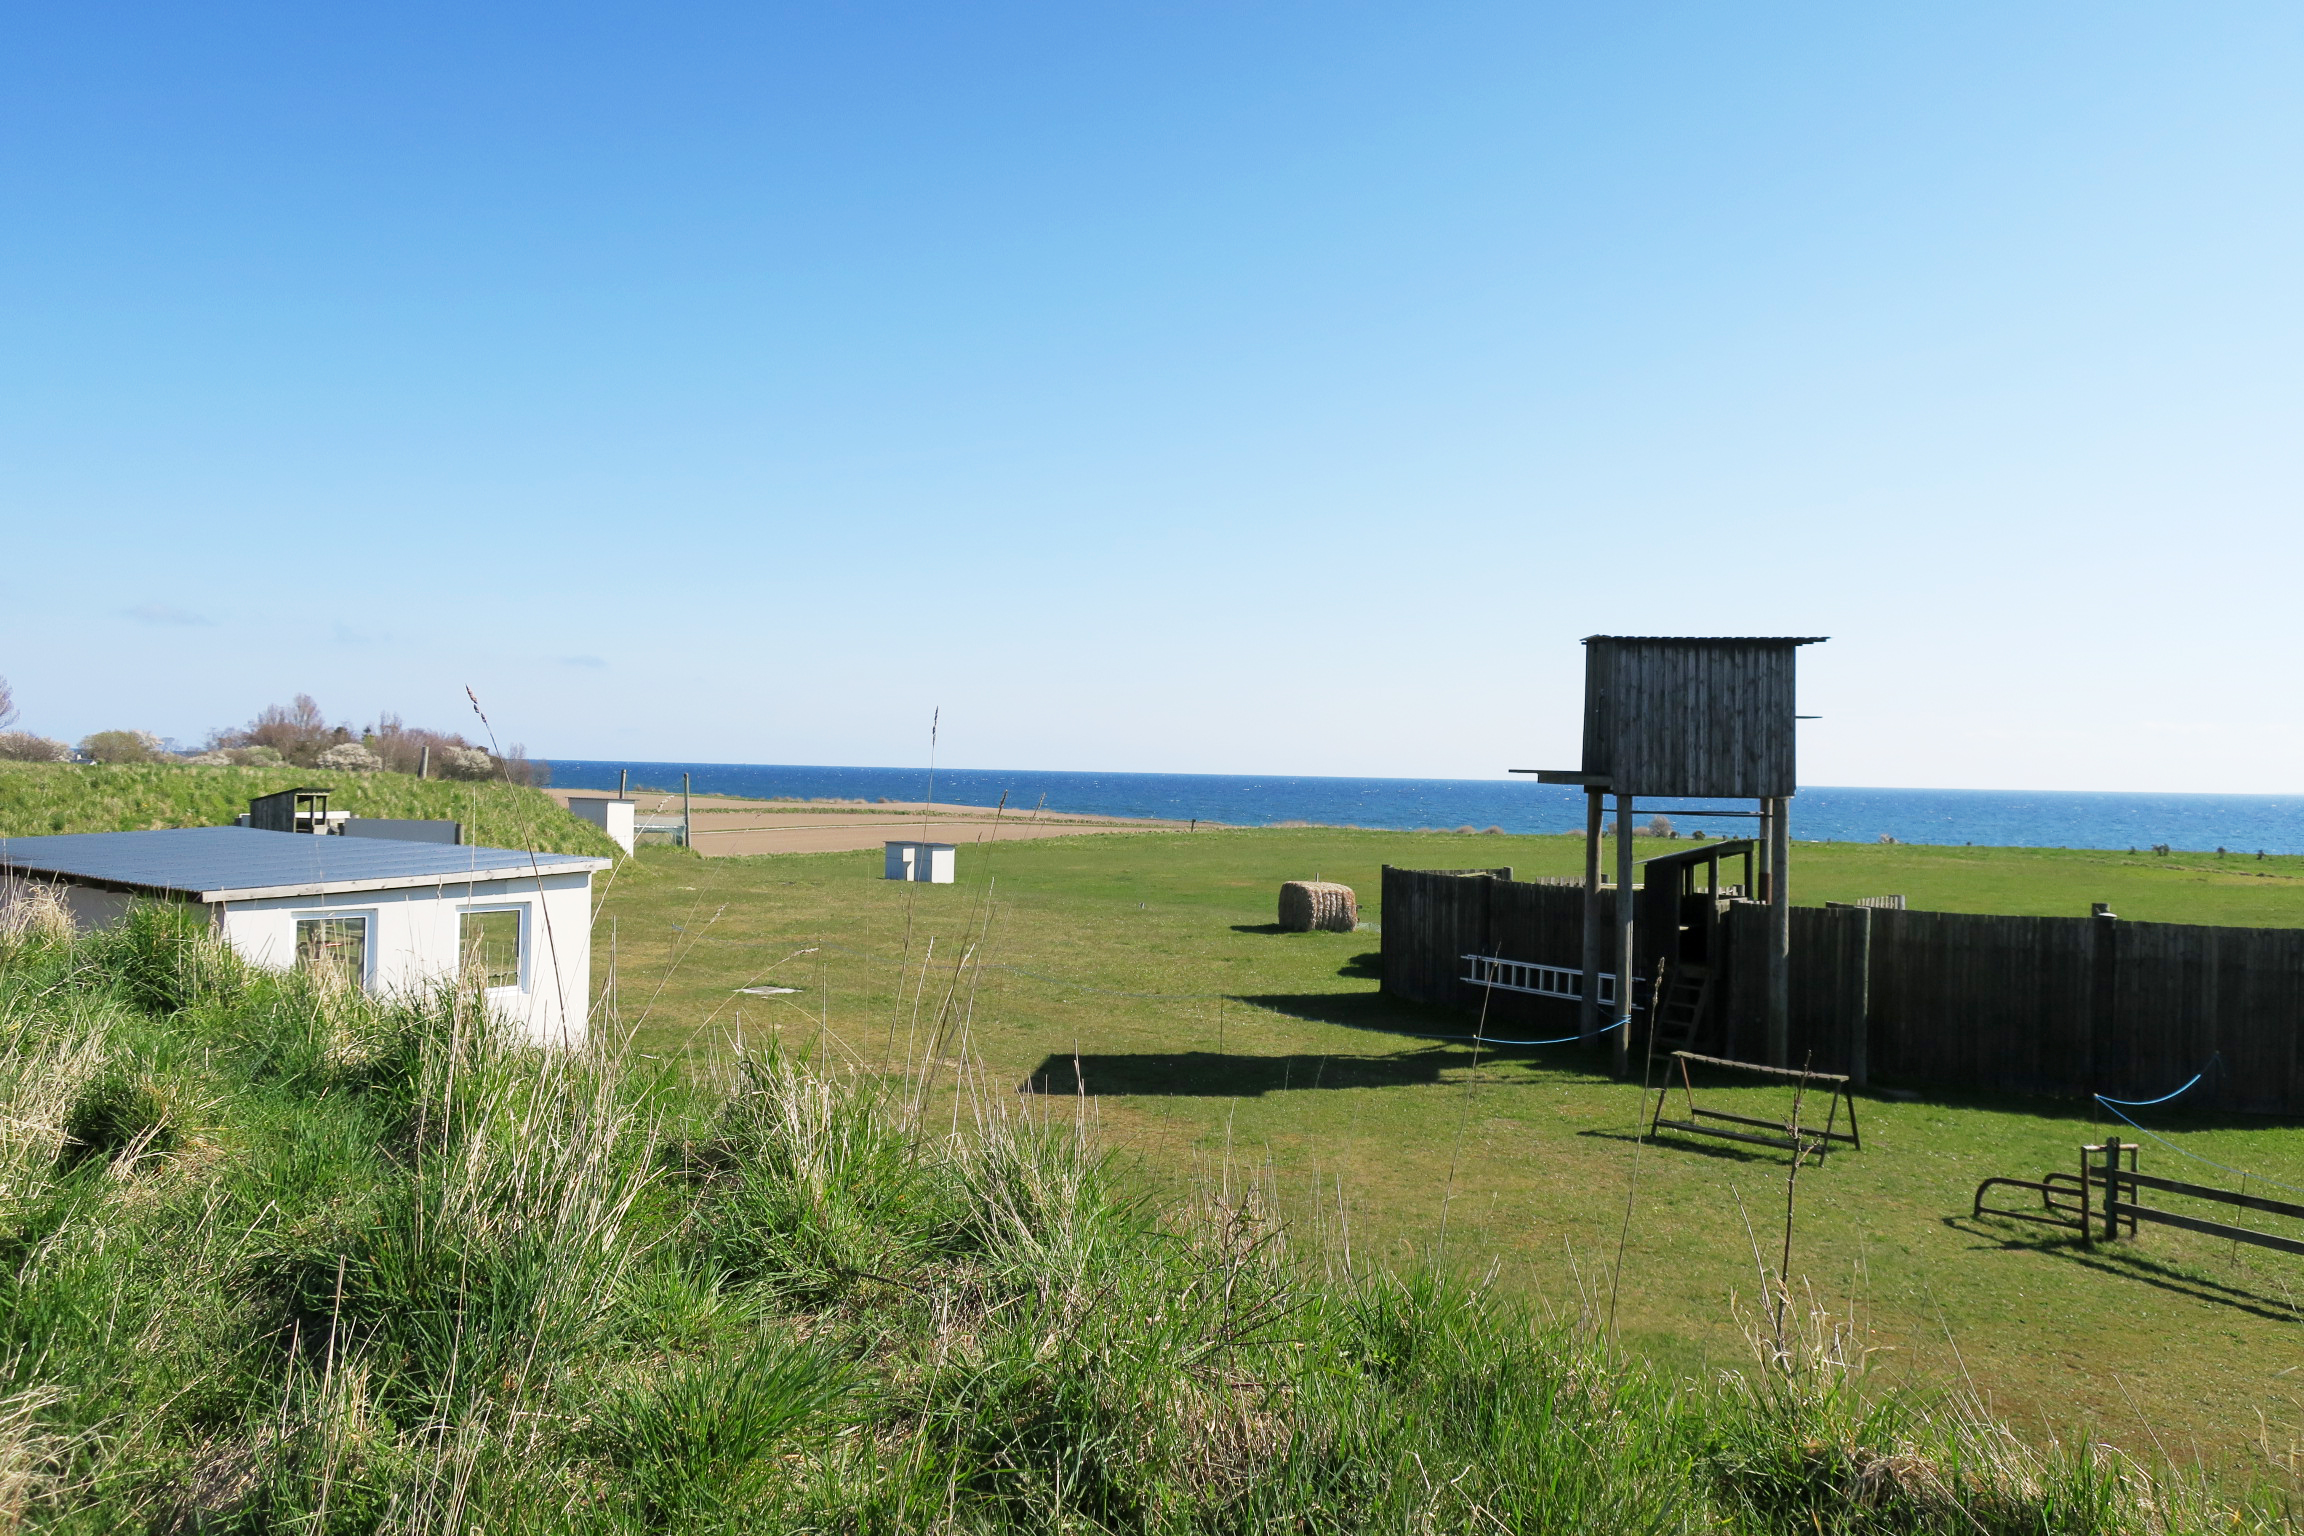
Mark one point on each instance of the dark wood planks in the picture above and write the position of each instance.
(2041, 1006)
(1677, 717)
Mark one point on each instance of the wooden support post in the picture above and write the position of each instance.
(1588, 1006)
(2087, 1214)
(424, 761)
(2111, 1189)
(1859, 973)
(1625, 910)
(1779, 934)
(687, 816)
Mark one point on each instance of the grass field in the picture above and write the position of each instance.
(286, 1257)
(1202, 1036)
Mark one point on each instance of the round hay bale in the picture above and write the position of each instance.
(1324, 906)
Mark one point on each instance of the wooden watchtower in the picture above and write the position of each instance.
(1669, 717)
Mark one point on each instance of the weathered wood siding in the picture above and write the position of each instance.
(2053, 1007)
(1447, 914)
(1683, 717)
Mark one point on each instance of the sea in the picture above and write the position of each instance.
(2002, 818)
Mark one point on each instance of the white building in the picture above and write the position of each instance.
(610, 815)
(931, 862)
(389, 914)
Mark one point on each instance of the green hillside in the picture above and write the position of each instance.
(38, 799)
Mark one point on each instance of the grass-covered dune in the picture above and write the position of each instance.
(282, 1258)
(38, 799)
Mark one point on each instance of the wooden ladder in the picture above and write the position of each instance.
(1680, 1010)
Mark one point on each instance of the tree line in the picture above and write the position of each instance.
(297, 734)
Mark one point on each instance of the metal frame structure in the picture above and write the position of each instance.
(1789, 1134)
(2071, 1201)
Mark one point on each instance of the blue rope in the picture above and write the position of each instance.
(2114, 1105)
(2211, 1162)
(2164, 1098)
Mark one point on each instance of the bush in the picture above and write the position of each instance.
(463, 763)
(24, 747)
(349, 757)
(122, 746)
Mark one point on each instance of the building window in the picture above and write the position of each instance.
(334, 946)
(491, 947)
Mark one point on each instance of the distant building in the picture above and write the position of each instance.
(387, 913)
(306, 810)
(611, 815)
(931, 862)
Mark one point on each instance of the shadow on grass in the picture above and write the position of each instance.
(1669, 1141)
(1380, 1013)
(1218, 1075)
(1370, 1010)
(2131, 1265)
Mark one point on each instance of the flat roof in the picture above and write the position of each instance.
(1711, 639)
(244, 863)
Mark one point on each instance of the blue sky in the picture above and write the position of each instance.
(1245, 387)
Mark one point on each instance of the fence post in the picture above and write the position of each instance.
(1626, 914)
(2087, 1212)
(1857, 958)
(1779, 826)
(1588, 1007)
(2111, 1189)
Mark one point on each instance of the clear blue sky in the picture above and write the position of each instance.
(1204, 387)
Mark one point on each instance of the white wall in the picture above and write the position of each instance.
(90, 908)
(919, 861)
(613, 817)
(413, 943)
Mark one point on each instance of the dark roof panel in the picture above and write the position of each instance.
(1713, 639)
(219, 863)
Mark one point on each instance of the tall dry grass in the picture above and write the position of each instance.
(282, 1257)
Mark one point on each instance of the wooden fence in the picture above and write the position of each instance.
(2059, 1007)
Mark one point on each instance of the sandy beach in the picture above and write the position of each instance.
(725, 826)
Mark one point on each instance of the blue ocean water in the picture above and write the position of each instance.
(2003, 818)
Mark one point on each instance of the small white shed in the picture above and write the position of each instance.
(388, 915)
(611, 815)
(931, 862)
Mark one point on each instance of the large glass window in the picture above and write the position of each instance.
(335, 946)
(491, 945)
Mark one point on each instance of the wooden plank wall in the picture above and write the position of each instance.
(2053, 1007)
(1443, 915)
(1691, 717)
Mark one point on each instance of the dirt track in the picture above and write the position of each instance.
(727, 826)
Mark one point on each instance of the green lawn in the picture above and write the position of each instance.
(1210, 1046)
